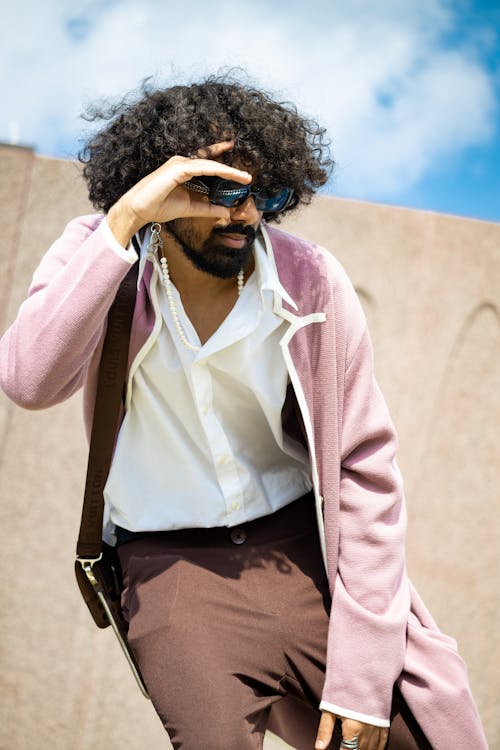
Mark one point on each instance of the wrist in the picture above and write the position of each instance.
(123, 223)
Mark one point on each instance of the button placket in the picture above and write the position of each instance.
(217, 441)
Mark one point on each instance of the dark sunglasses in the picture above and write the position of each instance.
(230, 194)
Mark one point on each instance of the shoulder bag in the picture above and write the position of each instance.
(97, 565)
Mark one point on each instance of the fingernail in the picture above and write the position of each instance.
(320, 745)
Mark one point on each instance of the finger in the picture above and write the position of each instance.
(352, 729)
(325, 730)
(384, 734)
(215, 149)
(210, 210)
(199, 167)
(180, 169)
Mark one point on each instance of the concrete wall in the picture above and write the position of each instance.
(430, 285)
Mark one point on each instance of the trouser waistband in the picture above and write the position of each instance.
(297, 517)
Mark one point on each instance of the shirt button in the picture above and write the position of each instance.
(235, 505)
(238, 536)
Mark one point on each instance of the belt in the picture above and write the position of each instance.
(297, 517)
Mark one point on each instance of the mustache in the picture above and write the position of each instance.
(247, 231)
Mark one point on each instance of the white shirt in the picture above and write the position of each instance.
(202, 443)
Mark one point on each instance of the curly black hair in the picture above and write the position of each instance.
(272, 140)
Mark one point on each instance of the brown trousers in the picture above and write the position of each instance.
(226, 622)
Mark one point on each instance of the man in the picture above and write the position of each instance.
(254, 493)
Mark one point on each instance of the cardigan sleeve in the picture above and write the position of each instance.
(370, 602)
(45, 353)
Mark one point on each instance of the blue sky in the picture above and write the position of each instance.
(409, 90)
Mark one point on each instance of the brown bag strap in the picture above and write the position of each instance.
(109, 397)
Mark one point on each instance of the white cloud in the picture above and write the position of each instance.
(375, 73)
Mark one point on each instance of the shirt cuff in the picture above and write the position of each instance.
(346, 713)
(128, 254)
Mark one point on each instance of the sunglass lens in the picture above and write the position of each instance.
(273, 200)
(229, 193)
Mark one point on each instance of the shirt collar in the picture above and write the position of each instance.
(267, 274)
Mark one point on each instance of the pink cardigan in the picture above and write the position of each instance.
(380, 632)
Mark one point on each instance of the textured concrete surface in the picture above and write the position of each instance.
(430, 285)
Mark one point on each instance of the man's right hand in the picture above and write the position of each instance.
(160, 196)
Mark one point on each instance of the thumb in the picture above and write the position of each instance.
(207, 210)
(325, 730)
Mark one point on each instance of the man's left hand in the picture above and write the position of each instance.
(369, 736)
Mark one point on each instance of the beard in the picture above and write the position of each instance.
(213, 256)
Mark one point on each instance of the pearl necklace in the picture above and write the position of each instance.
(156, 245)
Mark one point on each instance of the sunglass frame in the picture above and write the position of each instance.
(216, 192)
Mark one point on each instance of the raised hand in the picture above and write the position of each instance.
(160, 196)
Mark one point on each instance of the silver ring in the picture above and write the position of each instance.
(350, 744)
